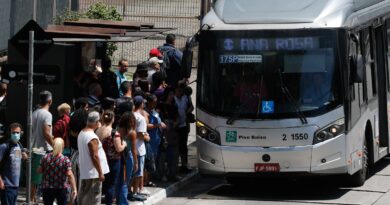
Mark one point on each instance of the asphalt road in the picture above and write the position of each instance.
(324, 190)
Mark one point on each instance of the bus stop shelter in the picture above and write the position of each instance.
(61, 52)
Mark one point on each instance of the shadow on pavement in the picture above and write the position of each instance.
(280, 189)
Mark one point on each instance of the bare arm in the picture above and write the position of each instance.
(47, 134)
(119, 145)
(133, 138)
(72, 183)
(2, 187)
(93, 147)
(152, 126)
(143, 136)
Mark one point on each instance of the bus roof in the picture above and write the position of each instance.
(292, 14)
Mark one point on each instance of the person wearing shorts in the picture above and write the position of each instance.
(142, 136)
(141, 166)
(36, 177)
(42, 138)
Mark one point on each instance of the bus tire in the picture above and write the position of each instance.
(360, 176)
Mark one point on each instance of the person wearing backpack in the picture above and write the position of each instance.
(172, 58)
(11, 155)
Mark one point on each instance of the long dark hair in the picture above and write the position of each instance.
(127, 121)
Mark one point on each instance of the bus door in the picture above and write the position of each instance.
(380, 43)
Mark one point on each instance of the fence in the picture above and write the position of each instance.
(182, 15)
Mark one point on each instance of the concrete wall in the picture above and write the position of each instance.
(14, 14)
(5, 9)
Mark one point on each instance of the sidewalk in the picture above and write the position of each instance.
(163, 189)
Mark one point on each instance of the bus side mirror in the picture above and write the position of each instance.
(186, 62)
(188, 54)
(357, 66)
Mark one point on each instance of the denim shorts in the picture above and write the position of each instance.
(141, 164)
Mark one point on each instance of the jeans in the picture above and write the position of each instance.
(125, 176)
(111, 179)
(9, 195)
(49, 195)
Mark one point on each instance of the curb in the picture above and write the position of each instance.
(168, 191)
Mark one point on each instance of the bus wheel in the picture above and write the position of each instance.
(360, 177)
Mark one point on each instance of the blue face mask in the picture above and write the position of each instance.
(15, 137)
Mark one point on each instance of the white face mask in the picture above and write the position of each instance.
(15, 137)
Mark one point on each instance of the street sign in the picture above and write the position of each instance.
(42, 40)
(43, 74)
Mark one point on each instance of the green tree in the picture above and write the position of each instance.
(105, 12)
(96, 11)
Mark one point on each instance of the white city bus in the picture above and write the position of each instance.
(293, 87)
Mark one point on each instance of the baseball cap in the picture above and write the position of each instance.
(155, 60)
(155, 52)
(138, 100)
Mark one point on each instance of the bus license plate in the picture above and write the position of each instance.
(267, 168)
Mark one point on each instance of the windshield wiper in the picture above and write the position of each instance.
(290, 98)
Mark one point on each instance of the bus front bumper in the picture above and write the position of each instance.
(324, 158)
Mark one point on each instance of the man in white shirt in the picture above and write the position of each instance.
(142, 136)
(92, 162)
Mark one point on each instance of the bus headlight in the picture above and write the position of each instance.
(330, 131)
(207, 133)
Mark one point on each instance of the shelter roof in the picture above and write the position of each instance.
(89, 30)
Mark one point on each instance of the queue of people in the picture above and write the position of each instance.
(120, 137)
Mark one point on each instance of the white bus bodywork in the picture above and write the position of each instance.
(255, 138)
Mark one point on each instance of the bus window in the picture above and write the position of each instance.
(370, 81)
(388, 53)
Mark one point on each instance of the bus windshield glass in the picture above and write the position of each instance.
(268, 74)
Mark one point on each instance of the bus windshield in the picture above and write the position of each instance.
(268, 74)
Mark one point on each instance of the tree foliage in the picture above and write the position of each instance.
(104, 12)
(96, 11)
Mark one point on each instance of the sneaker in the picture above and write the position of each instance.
(130, 196)
(138, 197)
(144, 192)
(185, 170)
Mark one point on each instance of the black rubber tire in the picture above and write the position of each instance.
(360, 177)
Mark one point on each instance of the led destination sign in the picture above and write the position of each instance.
(269, 44)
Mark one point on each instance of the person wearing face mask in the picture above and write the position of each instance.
(11, 155)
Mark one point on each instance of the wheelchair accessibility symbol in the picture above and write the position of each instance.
(267, 107)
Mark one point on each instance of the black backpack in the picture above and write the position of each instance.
(166, 58)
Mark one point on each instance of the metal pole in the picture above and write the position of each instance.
(34, 11)
(54, 10)
(29, 110)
